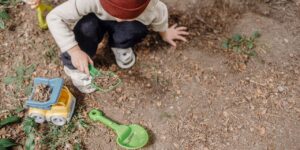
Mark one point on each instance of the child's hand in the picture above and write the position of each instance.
(174, 33)
(80, 59)
(33, 3)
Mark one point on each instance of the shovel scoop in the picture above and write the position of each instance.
(129, 136)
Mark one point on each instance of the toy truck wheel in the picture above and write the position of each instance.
(38, 118)
(58, 120)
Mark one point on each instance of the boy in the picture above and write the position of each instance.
(125, 21)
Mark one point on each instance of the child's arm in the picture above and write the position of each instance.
(174, 33)
(160, 24)
(58, 19)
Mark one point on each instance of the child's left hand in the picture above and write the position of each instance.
(174, 33)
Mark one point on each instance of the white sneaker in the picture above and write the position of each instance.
(80, 80)
(125, 58)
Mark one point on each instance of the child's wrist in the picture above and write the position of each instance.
(74, 50)
(163, 35)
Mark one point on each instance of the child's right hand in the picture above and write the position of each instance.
(33, 3)
(80, 59)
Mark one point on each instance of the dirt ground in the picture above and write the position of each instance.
(190, 97)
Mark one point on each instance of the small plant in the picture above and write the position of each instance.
(51, 55)
(77, 146)
(3, 16)
(10, 2)
(22, 73)
(3, 13)
(6, 144)
(9, 120)
(242, 44)
(29, 127)
(56, 136)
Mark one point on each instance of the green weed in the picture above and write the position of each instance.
(10, 2)
(22, 74)
(242, 44)
(9, 120)
(55, 136)
(29, 127)
(6, 144)
(3, 10)
(51, 55)
(3, 16)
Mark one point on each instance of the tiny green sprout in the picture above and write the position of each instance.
(237, 37)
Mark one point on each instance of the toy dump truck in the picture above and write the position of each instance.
(58, 109)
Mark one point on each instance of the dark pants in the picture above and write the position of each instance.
(89, 32)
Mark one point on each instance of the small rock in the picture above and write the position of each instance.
(176, 145)
(292, 55)
(297, 110)
(281, 89)
(262, 131)
(252, 107)
(264, 111)
(148, 85)
(225, 114)
(163, 137)
(248, 98)
(128, 112)
(239, 126)
(158, 104)
(68, 146)
(119, 90)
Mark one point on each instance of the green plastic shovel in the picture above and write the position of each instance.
(129, 137)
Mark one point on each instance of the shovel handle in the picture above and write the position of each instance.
(97, 115)
(41, 9)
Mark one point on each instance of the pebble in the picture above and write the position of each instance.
(281, 89)
(158, 104)
(178, 92)
(248, 98)
(262, 131)
(148, 85)
(225, 113)
(119, 90)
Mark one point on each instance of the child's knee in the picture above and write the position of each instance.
(87, 26)
(137, 29)
(128, 34)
